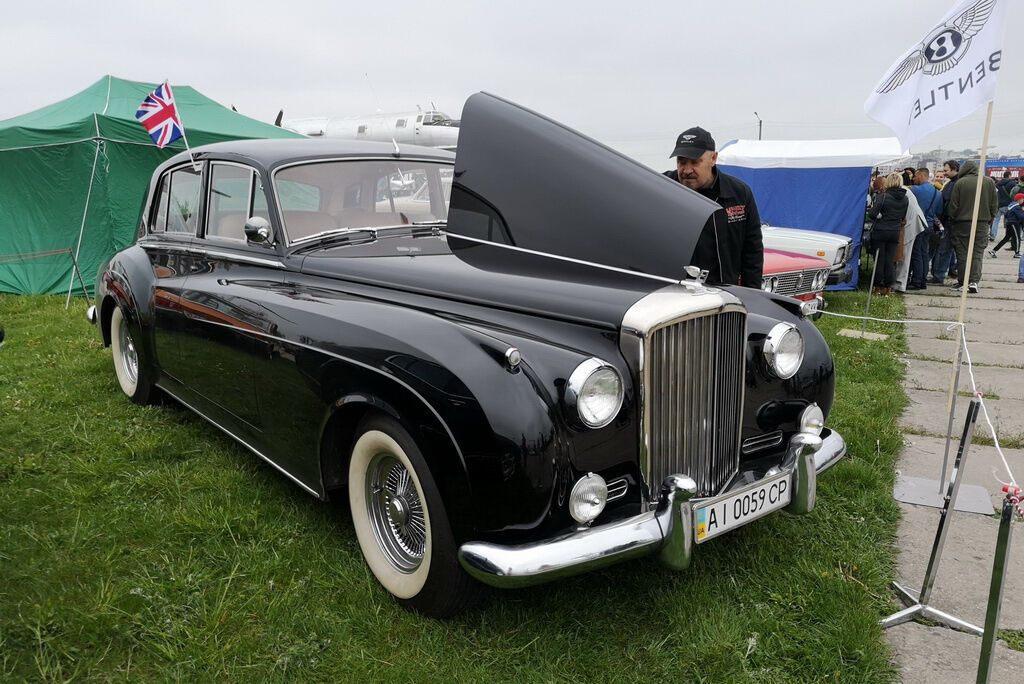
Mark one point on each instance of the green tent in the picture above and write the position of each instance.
(73, 175)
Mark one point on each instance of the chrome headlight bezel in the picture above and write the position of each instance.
(576, 392)
(777, 360)
(820, 278)
(769, 283)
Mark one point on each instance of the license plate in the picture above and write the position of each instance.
(736, 509)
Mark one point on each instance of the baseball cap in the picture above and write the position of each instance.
(693, 142)
(1018, 197)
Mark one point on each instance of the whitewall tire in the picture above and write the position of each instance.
(133, 374)
(400, 521)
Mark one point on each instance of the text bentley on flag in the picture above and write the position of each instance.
(945, 77)
(159, 116)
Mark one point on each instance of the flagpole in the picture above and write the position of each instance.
(195, 165)
(964, 286)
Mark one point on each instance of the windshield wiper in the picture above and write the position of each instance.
(337, 236)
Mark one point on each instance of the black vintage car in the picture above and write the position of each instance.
(501, 357)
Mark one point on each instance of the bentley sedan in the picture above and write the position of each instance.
(502, 359)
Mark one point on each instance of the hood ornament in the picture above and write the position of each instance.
(696, 273)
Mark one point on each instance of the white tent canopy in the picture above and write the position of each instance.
(811, 154)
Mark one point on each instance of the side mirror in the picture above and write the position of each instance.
(258, 230)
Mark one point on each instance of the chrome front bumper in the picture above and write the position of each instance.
(668, 530)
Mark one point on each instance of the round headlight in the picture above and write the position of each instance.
(822, 280)
(769, 283)
(595, 391)
(588, 498)
(812, 420)
(784, 350)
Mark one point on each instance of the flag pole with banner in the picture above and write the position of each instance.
(159, 115)
(948, 75)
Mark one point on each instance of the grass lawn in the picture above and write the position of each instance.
(141, 543)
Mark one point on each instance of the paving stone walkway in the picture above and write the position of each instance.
(995, 336)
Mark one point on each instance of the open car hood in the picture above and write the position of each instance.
(525, 180)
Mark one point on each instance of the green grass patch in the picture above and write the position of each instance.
(1014, 638)
(141, 543)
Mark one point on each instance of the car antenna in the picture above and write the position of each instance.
(373, 92)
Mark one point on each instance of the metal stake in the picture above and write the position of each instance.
(867, 307)
(919, 606)
(995, 591)
(952, 404)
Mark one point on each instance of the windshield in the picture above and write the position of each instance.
(322, 197)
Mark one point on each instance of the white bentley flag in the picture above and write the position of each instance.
(947, 76)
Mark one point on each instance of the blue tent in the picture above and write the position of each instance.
(814, 184)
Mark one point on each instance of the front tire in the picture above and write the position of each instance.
(133, 373)
(401, 524)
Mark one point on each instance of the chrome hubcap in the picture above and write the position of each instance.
(396, 513)
(129, 357)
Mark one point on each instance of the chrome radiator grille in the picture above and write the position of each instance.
(694, 390)
(796, 282)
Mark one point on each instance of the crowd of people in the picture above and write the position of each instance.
(920, 226)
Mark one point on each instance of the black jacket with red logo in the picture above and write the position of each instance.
(730, 248)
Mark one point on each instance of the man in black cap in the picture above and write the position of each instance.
(730, 247)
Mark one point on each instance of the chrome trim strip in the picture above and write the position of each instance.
(241, 258)
(617, 489)
(391, 377)
(239, 440)
(570, 260)
(668, 530)
(766, 441)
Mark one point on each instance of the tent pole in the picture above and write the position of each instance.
(81, 229)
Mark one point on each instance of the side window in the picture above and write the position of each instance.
(183, 209)
(259, 199)
(400, 123)
(228, 203)
(158, 212)
(361, 130)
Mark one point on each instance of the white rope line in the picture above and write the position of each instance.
(952, 325)
(984, 410)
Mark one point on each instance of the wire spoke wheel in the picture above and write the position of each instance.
(129, 357)
(395, 510)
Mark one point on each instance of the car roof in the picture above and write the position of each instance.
(269, 153)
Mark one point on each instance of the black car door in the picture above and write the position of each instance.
(226, 324)
(172, 220)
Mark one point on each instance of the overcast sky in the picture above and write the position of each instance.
(631, 74)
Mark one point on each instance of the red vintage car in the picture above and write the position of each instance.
(795, 275)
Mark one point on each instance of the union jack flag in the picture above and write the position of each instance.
(159, 116)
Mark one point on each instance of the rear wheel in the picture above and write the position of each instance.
(401, 524)
(133, 373)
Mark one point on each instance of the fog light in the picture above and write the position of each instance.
(812, 420)
(588, 498)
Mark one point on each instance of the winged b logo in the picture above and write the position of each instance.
(943, 48)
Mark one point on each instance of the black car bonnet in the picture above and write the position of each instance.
(525, 180)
